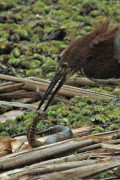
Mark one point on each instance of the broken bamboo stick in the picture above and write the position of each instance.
(81, 81)
(39, 169)
(89, 148)
(17, 104)
(66, 90)
(73, 81)
(69, 92)
(66, 166)
(81, 172)
(37, 155)
(12, 87)
(16, 95)
(6, 83)
(70, 158)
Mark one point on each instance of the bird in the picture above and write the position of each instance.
(96, 55)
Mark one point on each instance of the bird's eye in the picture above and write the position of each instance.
(65, 65)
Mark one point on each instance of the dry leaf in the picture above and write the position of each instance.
(9, 145)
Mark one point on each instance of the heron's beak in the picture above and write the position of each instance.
(59, 79)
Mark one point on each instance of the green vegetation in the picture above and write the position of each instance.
(30, 44)
(83, 111)
(33, 35)
(29, 30)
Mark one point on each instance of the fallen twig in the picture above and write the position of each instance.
(19, 95)
(12, 87)
(81, 172)
(40, 169)
(37, 155)
(81, 81)
(89, 148)
(20, 105)
(66, 90)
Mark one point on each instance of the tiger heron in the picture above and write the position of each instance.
(96, 54)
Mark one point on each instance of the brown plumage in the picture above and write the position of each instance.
(96, 54)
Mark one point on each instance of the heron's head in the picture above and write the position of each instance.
(72, 60)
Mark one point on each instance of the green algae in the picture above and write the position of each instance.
(82, 111)
(24, 24)
(15, 62)
(16, 52)
(22, 30)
